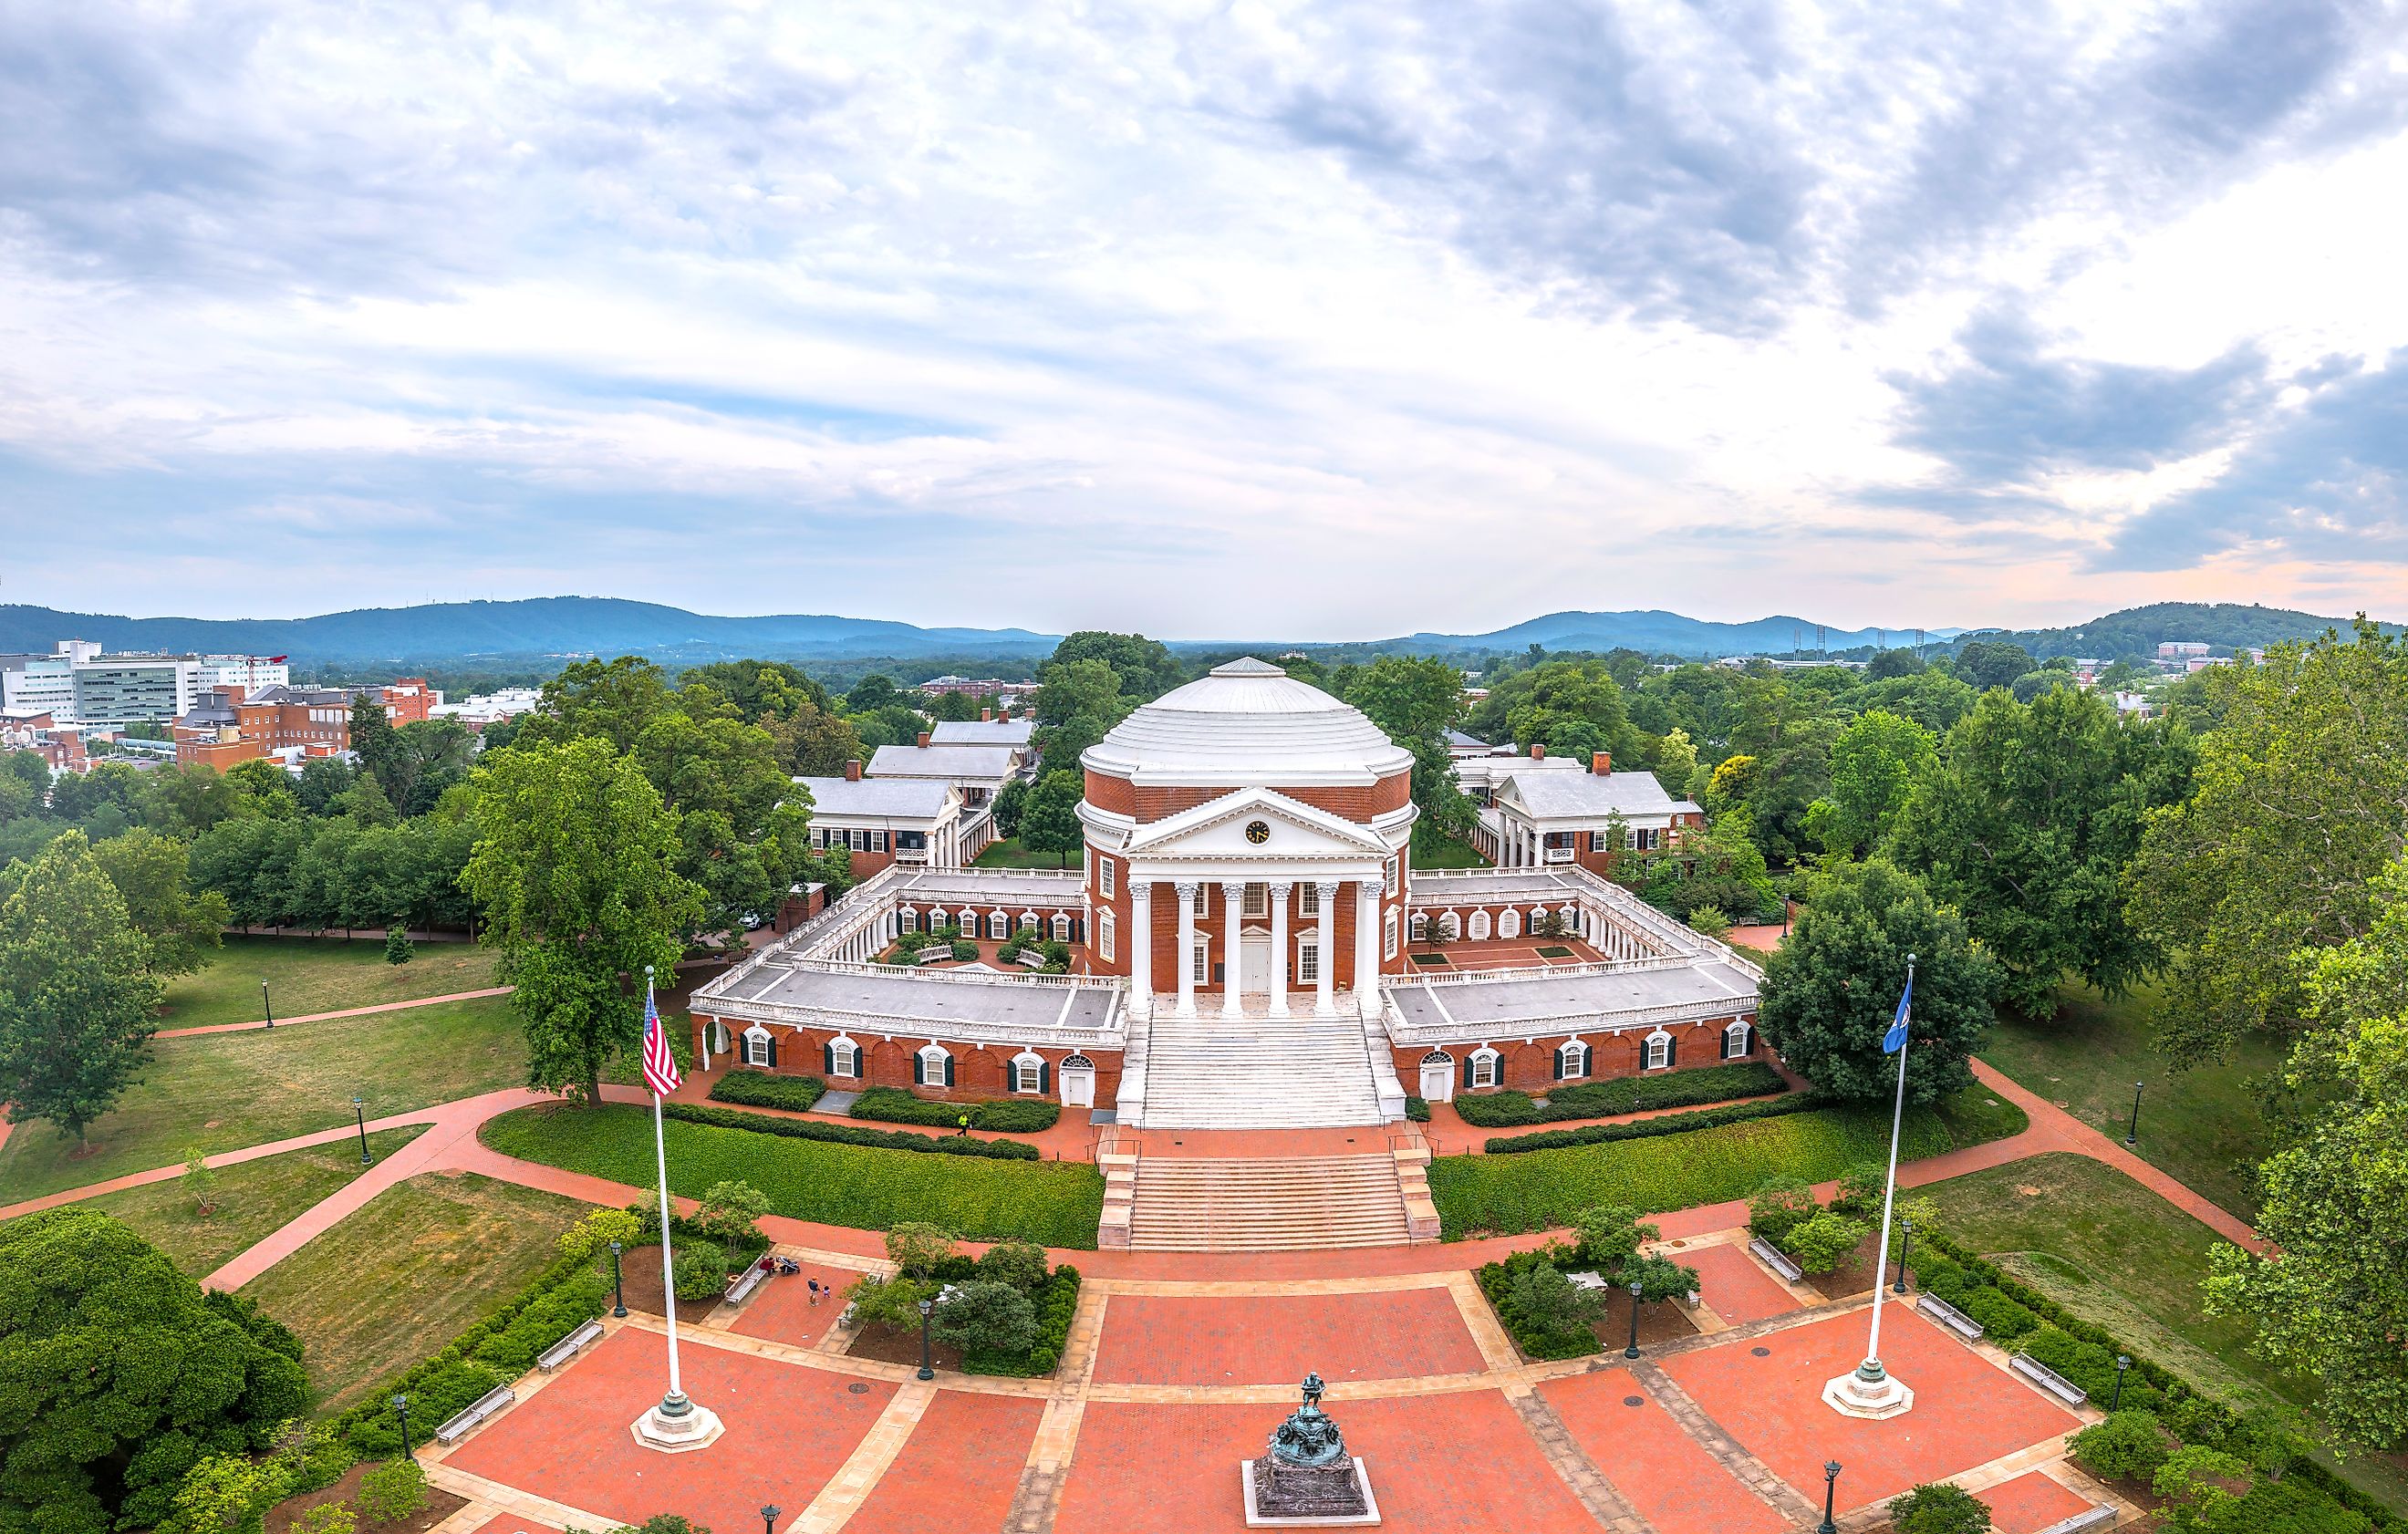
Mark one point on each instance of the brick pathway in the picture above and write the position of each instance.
(1274, 1339)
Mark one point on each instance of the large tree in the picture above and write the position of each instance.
(1416, 701)
(1146, 667)
(1832, 990)
(2331, 1303)
(119, 1374)
(182, 927)
(1049, 823)
(575, 869)
(2299, 799)
(1874, 766)
(78, 1001)
(2026, 825)
(614, 700)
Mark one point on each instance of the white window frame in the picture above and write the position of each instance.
(1027, 920)
(1027, 1074)
(1061, 927)
(1508, 922)
(1655, 1051)
(1744, 1033)
(1104, 941)
(1259, 900)
(1388, 877)
(907, 920)
(1388, 935)
(1449, 927)
(756, 1046)
(1308, 899)
(1571, 1053)
(1106, 879)
(846, 1055)
(998, 926)
(1421, 926)
(1308, 961)
(1478, 929)
(1487, 1068)
(932, 1064)
(1202, 962)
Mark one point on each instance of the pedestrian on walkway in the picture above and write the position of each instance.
(815, 1290)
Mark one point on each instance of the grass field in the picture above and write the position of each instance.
(309, 975)
(1010, 854)
(253, 1199)
(1056, 1203)
(223, 1091)
(1431, 851)
(2201, 1125)
(1540, 1190)
(406, 1273)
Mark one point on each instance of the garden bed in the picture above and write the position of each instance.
(901, 1345)
(641, 1267)
(440, 1504)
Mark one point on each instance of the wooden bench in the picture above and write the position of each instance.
(1950, 1317)
(478, 1411)
(2048, 1379)
(1776, 1259)
(2097, 1517)
(567, 1347)
(745, 1282)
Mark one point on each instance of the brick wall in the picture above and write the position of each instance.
(978, 1073)
(1359, 805)
(1531, 1067)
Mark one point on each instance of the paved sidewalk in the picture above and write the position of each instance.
(346, 1012)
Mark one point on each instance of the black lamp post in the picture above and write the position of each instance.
(1830, 1486)
(401, 1405)
(769, 1511)
(2123, 1364)
(1905, 1239)
(618, 1285)
(1632, 1351)
(2132, 1136)
(263, 1005)
(928, 1309)
(360, 1111)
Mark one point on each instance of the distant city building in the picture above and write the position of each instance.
(2174, 649)
(482, 708)
(78, 684)
(970, 686)
(287, 723)
(245, 672)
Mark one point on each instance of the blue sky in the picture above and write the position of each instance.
(1321, 321)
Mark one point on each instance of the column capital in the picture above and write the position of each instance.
(1328, 887)
(1186, 888)
(1279, 891)
(1237, 884)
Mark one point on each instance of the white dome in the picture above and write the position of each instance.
(1248, 724)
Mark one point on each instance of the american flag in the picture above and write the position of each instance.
(660, 1066)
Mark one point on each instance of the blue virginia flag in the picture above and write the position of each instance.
(1895, 1039)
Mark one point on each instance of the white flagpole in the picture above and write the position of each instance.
(1889, 1196)
(674, 1404)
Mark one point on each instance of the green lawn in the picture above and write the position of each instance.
(2121, 1258)
(1010, 854)
(253, 1199)
(406, 1273)
(223, 1091)
(309, 975)
(1540, 1190)
(2202, 1125)
(1432, 850)
(1056, 1203)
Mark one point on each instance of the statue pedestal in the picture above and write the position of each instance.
(1854, 1396)
(698, 1429)
(1336, 1497)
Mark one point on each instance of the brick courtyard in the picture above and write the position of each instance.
(1166, 1388)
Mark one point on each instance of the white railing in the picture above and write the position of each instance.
(1561, 855)
(1070, 876)
(1590, 1020)
(1551, 972)
(836, 917)
(1107, 1034)
(956, 977)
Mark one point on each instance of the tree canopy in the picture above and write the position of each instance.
(79, 998)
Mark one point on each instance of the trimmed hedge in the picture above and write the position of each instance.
(1417, 1109)
(1496, 1282)
(761, 1089)
(1002, 1115)
(2066, 1342)
(1669, 1123)
(1507, 1195)
(1056, 1303)
(983, 1196)
(846, 1134)
(1624, 1095)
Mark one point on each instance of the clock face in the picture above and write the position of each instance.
(1258, 832)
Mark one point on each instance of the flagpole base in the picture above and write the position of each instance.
(670, 1431)
(1868, 1392)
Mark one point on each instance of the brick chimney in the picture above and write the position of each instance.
(924, 740)
(1602, 763)
(1538, 754)
(986, 716)
(852, 770)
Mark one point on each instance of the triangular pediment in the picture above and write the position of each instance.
(1256, 823)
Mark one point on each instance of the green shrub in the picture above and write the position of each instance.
(2128, 1445)
(1019, 1264)
(2002, 1319)
(729, 1213)
(1501, 1110)
(2090, 1366)
(326, 1519)
(1780, 1206)
(1860, 1190)
(1942, 1509)
(989, 1316)
(1669, 1123)
(393, 1491)
(1713, 923)
(1658, 1277)
(1003, 1116)
(1610, 1236)
(397, 946)
(1508, 1286)
(1819, 1244)
(1055, 1304)
(919, 1247)
(964, 950)
(543, 1320)
(1543, 1190)
(854, 1134)
(888, 1301)
(760, 1089)
(702, 1269)
(1623, 1094)
(1417, 1108)
(1053, 1203)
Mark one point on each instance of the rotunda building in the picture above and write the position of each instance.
(1247, 843)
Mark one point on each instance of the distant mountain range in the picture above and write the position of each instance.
(559, 627)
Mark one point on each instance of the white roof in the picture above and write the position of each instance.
(947, 762)
(897, 799)
(1248, 724)
(982, 732)
(1590, 796)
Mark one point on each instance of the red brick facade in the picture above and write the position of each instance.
(1212, 924)
(1146, 804)
(1531, 1067)
(979, 1073)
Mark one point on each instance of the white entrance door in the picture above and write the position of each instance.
(1078, 1087)
(1254, 963)
(1438, 1082)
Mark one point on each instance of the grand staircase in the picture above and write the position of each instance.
(1247, 1204)
(1252, 1071)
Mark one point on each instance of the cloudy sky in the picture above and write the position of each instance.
(1206, 319)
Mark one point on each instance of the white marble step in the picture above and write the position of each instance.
(1266, 1205)
(1257, 1072)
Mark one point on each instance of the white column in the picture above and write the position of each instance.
(1233, 904)
(1140, 946)
(1366, 946)
(1325, 983)
(1188, 892)
(1278, 948)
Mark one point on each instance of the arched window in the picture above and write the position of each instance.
(759, 1050)
(1421, 926)
(908, 919)
(1483, 1067)
(1739, 1041)
(1061, 927)
(1572, 1060)
(932, 1067)
(999, 926)
(843, 1056)
(1449, 927)
(1479, 925)
(1027, 920)
(1029, 1076)
(1508, 922)
(1658, 1051)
